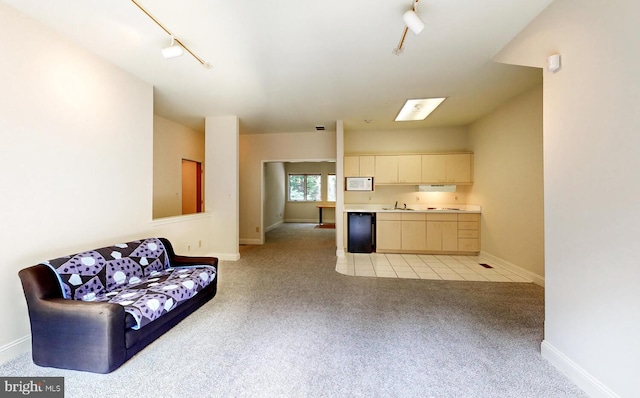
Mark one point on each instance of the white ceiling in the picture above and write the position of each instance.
(286, 66)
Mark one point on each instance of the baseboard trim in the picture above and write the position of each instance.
(15, 348)
(535, 278)
(250, 242)
(273, 226)
(225, 256)
(580, 377)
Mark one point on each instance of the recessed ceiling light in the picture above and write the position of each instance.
(418, 109)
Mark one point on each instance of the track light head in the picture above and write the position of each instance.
(174, 50)
(413, 21)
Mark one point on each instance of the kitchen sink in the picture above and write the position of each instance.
(396, 208)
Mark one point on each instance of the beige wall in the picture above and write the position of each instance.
(308, 211)
(508, 181)
(255, 149)
(434, 139)
(77, 150)
(591, 194)
(274, 194)
(172, 142)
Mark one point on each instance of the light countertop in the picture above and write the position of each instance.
(378, 208)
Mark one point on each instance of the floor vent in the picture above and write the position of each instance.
(486, 265)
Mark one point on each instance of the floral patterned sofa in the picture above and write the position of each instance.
(94, 310)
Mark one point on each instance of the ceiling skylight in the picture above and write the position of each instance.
(418, 109)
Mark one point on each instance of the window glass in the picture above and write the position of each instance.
(305, 187)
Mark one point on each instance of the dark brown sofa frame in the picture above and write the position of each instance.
(91, 336)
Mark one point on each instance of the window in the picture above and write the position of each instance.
(331, 188)
(305, 187)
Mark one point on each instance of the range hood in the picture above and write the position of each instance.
(436, 188)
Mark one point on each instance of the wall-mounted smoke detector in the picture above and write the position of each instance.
(320, 128)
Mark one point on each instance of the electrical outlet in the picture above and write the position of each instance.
(199, 243)
(188, 248)
(417, 198)
(257, 229)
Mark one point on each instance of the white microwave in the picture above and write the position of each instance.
(358, 183)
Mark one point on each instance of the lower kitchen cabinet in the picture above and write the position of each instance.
(442, 232)
(388, 232)
(428, 233)
(469, 233)
(414, 231)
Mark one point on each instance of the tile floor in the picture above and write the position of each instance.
(414, 266)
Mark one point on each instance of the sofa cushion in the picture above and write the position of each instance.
(136, 275)
(97, 272)
(159, 293)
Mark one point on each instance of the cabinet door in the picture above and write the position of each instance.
(433, 168)
(352, 166)
(450, 236)
(386, 170)
(388, 235)
(434, 235)
(442, 236)
(458, 168)
(367, 166)
(409, 169)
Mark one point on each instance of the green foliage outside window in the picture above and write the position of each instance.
(305, 187)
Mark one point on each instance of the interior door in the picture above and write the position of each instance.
(191, 187)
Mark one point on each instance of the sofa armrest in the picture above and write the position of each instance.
(177, 261)
(72, 334)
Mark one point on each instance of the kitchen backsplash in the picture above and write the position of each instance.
(389, 194)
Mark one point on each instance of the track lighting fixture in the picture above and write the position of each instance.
(176, 48)
(412, 22)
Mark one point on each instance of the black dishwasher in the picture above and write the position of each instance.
(360, 227)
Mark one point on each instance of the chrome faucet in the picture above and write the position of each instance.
(396, 205)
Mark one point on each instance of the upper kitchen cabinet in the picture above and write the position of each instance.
(386, 169)
(409, 169)
(447, 168)
(398, 169)
(359, 166)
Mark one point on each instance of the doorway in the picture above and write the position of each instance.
(191, 187)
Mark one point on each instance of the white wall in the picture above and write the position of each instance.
(508, 182)
(274, 194)
(222, 187)
(76, 160)
(258, 148)
(172, 142)
(591, 193)
(76, 155)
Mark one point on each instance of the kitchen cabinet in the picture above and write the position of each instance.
(441, 168)
(469, 232)
(427, 232)
(388, 232)
(454, 168)
(398, 169)
(359, 166)
(386, 170)
(409, 169)
(414, 231)
(442, 232)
